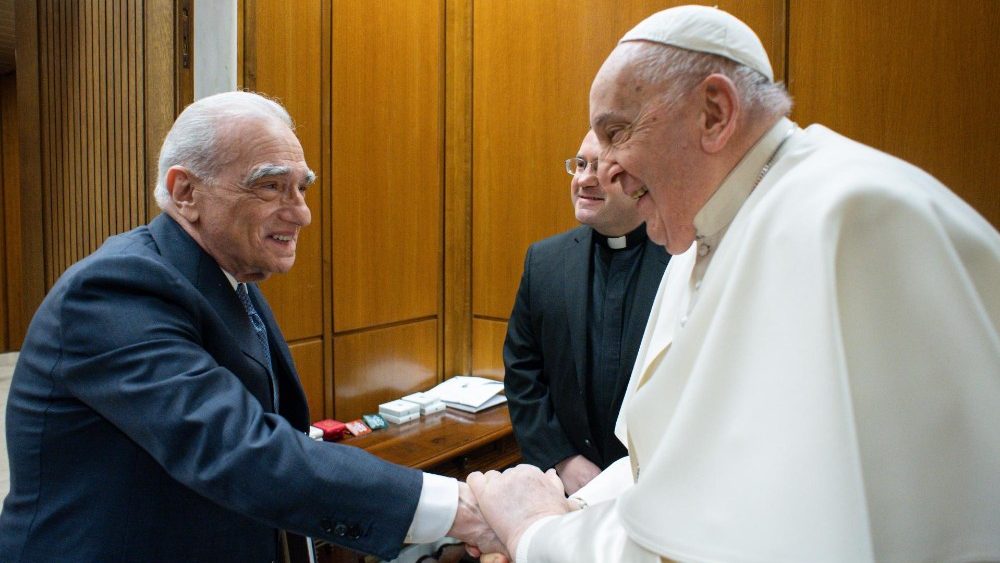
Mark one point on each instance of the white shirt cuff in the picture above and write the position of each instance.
(525, 542)
(436, 509)
(609, 484)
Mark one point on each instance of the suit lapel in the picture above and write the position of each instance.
(204, 273)
(293, 400)
(577, 286)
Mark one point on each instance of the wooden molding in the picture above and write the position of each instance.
(32, 269)
(456, 331)
(184, 53)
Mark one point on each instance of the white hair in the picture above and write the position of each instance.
(679, 70)
(194, 141)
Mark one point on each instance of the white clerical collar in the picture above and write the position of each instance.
(722, 207)
(632, 239)
(231, 278)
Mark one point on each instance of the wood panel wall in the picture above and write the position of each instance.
(915, 79)
(534, 63)
(10, 220)
(7, 59)
(449, 120)
(437, 129)
(387, 142)
(362, 307)
(94, 90)
(91, 127)
(291, 39)
(455, 343)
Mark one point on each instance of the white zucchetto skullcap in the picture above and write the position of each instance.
(707, 30)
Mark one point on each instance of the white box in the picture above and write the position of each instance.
(400, 419)
(429, 403)
(399, 409)
(436, 406)
(421, 398)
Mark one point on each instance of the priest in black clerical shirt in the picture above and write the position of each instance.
(576, 326)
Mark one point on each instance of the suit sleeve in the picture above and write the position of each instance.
(539, 434)
(134, 350)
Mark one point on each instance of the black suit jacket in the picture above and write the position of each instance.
(545, 352)
(140, 425)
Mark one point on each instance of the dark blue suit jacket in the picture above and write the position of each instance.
(140, 425)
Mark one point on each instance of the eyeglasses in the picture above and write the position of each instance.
(578, 165)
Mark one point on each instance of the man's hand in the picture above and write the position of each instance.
(471, 527)
(511, 502)
(575, 472)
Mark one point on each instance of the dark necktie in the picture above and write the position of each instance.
(261, 332)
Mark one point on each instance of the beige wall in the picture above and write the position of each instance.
(7, 362)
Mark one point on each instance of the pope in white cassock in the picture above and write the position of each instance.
(819, 378)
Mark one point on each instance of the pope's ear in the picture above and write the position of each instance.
(180, 186)
(719, 112)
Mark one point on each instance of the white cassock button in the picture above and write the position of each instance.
(697, 285)
(703, 249)
(684, 320)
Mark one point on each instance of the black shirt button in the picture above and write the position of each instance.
(354, 531)
(340, 529)
(586, 442)
(327, 525)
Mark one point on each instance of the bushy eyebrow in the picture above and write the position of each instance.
(267, 170)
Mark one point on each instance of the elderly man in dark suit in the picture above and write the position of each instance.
(575, 329)
(155, 413)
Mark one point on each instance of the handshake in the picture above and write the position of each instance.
(495, 509)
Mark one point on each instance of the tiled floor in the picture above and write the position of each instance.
(7, 362)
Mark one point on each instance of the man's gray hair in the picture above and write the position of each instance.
(680, 70)
(193, 141)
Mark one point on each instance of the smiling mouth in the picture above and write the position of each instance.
(283, 238)
(640, 192)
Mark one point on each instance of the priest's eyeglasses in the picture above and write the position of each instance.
(579, 165)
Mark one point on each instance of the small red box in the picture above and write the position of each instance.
(333, 430)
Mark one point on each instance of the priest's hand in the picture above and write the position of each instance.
(575, 472)
(470, 526)
(514, 500)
